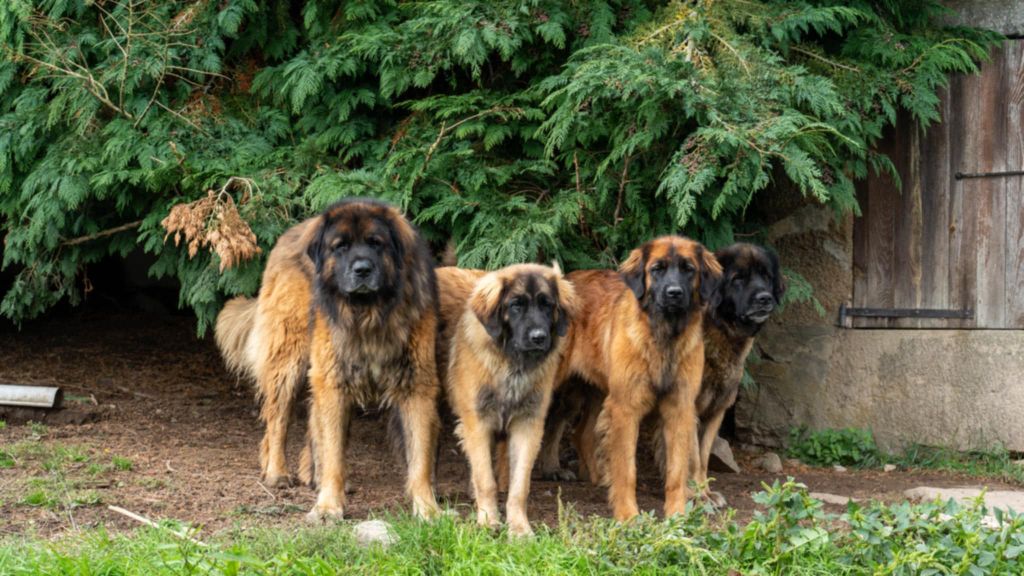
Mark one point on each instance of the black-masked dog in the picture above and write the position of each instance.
(505, 351)
(348, 298)
(751, 288)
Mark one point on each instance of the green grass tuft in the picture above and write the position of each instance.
(790, 534)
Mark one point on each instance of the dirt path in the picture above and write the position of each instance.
(155, 425)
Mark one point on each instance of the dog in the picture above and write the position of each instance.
(640, 344)
(348, 305)
(505, 353)
(752, 287)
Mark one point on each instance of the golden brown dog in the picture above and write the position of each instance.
(506, 349)
(349, 298)
(640, 342)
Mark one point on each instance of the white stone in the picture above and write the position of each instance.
(889, 468)
(770, 463)
(832, 498)
(1004, 499)
(372, 532)
(839, 468)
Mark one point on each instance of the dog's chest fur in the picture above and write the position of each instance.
(724, 357)
(509, 396)
(374, 360)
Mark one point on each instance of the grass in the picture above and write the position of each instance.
(856, 447)
(790, 534)
(996, 463)
(62, 477)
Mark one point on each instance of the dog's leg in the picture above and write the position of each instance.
(585, 440)
(678, 416)
(619, 427)
(565, 406)
(476, 443)
(524, 438)
(707, 441)
(278, 388)
(329, 427)
(420, 426)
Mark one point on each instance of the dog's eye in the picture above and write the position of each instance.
(516, 304)
(339, 244)
(373, 242)
(737, 280)
(686, 267)
(658, 267)
(544, 303)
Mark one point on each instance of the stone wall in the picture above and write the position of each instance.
(957, 388)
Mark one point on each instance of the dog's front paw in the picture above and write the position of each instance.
(716, 499)
(277, 480)
(520, 529)
(426, 509)
(325, 513)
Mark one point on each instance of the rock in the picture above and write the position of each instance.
(832, 498)
(721, 459)
(839, 468)
(770, 463)
(1019, 462)
(1004, 499)
(373, 532)
(889, 468)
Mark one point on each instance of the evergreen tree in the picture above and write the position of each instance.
(521, 130)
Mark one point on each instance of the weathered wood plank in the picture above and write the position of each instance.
(880, 228)
(935, 184)
(963, 255)
(985, 198)
(1015, 185)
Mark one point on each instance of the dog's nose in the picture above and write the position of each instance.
(362, 268)
(674, 292)
(764, 299)
(539, 336)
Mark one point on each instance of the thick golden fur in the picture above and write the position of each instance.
(303, 327)
(619, 348)
(493, 394)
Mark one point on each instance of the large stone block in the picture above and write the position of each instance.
(957, 388)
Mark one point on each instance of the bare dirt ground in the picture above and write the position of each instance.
(155, 425)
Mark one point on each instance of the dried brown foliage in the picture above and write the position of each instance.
(212, 222)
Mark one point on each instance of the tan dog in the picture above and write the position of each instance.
(506, 349)
(349, 298)
(640, 342)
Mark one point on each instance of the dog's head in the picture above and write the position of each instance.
(525, 309)
(359, 250)
(751, 286)
(671, 275)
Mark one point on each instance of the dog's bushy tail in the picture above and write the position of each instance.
(234, 326)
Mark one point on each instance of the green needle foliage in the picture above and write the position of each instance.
(518, 130)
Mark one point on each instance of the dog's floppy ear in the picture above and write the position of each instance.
(710, 275)
(568, 303)
(778, 282)
(315, 249)
(485, 302)
(634, 273)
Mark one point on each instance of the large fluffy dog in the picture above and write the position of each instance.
(349, 298)
(751, 288)
(506, 349)
(641, 343)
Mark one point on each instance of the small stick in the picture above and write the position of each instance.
(269, 493)
(149, 522)
(167, 465)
